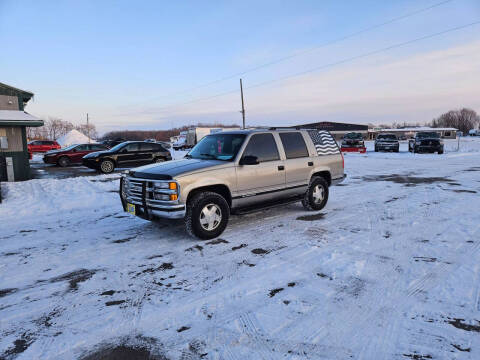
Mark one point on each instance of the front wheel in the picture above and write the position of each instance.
(107, 166)
(207, 215)
(159, 160)
(316, 196)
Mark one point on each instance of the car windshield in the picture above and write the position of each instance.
(353, 136)
(117, 147)
(219, 147)
(427, 135)
(387, 137)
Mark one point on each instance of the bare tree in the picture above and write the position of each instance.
(463, 120)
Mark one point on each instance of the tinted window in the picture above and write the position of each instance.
(82, 148)
(387, 136)
(218, 146)
(294, 145)
(146, 146)
(262, 146)
(131, 147)
(157, 147)
(97, 147)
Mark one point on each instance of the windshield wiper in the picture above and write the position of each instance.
(209, 155)
(188, 156)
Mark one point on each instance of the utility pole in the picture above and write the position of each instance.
(243, 105)
(88, 130)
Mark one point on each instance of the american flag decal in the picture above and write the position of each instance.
(324, 142)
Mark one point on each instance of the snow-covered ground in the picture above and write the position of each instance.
(390, 269)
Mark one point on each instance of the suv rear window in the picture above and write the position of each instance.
(263, 146)
(294, 145)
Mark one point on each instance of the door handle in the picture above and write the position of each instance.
(281, 167)
(310, 163)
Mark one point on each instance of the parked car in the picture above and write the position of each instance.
(387, 142)
(474, 132)
(42, 146)
(72, 154)
(353, 142)
(236, 171)
(426, 142)
(126, 154)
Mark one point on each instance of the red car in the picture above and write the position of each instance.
(72, 154)
(42, 146)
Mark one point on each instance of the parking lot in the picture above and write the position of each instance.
(389, 269)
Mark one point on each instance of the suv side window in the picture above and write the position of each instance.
(146, 147)
(131, 147)
(97, 147)
(158, 148)
(82, 148)
(263, 146)
(294, 145)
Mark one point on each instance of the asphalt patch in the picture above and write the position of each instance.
(163, 267)
(19, 346)
(120, 241)
(73, 278)
(114, 302)
(459, 348)
(417, 356)
(239, 247)
(183, 328)
(311, 217)
(108, 293)
(8, 291)
(460, 324)
(124, 352)
(425, 258)
(195, 248)
(217, 241)
(407, 180)
(274, 292)
(260, 251)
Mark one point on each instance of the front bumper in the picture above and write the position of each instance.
(339, 180)
(91, 163)
(386, 146)
(50, 159)
(140, 194)
(428, 148)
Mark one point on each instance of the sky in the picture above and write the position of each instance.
(162, 64)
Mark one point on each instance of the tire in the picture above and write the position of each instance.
(107, 166)
(376, 149)
(196, 221)
(440, 152)
(310, 200)
(64, 161)
(158, 160)
(397, 150)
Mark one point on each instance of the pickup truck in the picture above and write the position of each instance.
(234, 172)
(428, 141)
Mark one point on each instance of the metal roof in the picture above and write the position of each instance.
(18, 118)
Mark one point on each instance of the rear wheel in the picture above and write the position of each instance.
(316, 196)
(207, 215)
(107, 166)
(64, 161)
(440, 152)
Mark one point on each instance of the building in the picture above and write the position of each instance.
(337, 129)
(409, 132)
(14, 158)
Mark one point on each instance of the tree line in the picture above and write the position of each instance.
(158, 135)
(56, 127)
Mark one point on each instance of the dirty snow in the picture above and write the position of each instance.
(390, 269)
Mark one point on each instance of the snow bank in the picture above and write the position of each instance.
(71, 138)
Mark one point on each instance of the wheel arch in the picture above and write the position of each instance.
(220, 189)
(325, 174)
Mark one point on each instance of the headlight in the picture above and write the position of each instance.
(125, 186)
(163, 197)
(418, 142)
(165, 186)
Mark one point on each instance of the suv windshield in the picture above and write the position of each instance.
(353, 136)
(219, 147)
(427, 135)
(387, 137)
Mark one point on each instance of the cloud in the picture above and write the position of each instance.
(413, 88)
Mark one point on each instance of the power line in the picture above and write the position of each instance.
(306, 51)
(317, 68)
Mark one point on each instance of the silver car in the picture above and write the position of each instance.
(233, 172)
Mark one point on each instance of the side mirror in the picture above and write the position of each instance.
(249, 160)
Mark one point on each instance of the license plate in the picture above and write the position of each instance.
(131, 208)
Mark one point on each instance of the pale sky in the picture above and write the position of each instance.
(134, 65)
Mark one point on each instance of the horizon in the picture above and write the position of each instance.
(145, 66)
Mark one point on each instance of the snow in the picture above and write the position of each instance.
(71, 138)
(390, 269)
